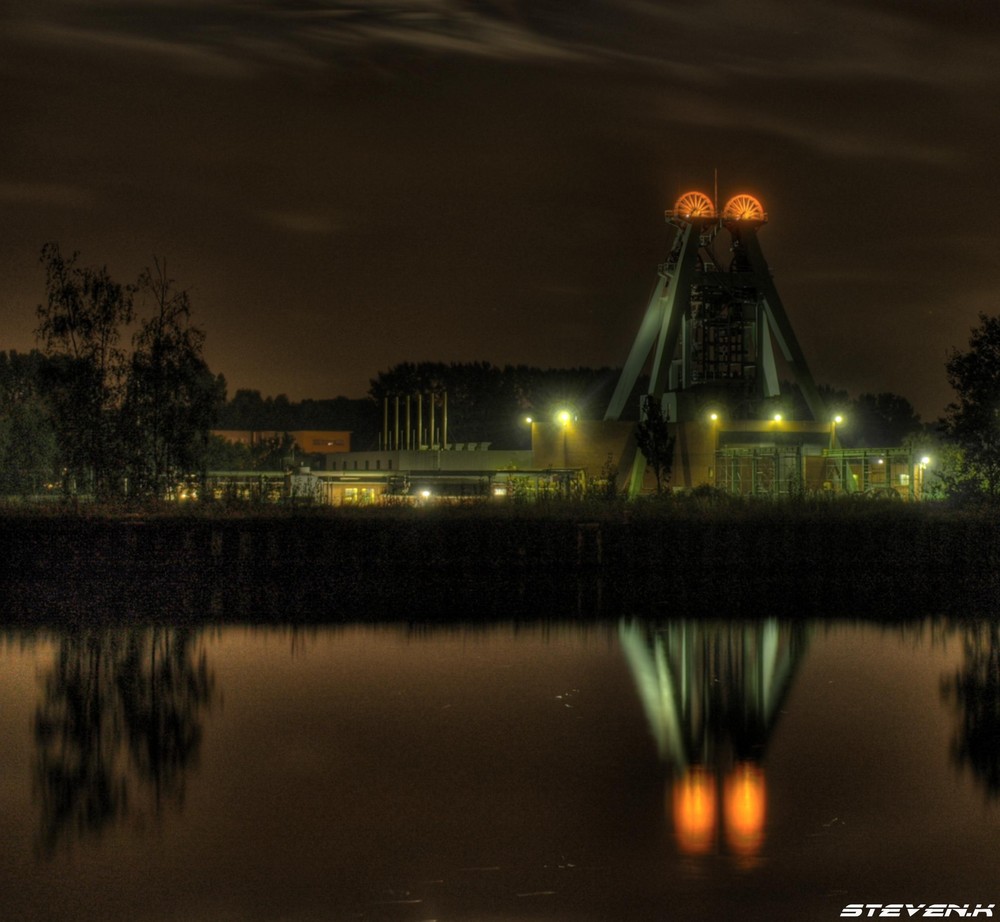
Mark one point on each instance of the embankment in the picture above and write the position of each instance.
(468, 563)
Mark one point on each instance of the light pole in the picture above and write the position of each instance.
(713, 421)
(921, 472)
(836, 421)
(564, 417)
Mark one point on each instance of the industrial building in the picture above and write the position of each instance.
(720, 353)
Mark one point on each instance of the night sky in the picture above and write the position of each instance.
(346, 185)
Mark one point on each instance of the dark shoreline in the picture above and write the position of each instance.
(882, 560)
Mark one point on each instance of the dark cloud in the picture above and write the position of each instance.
(347, 185)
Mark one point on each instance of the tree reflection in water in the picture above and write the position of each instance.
(975, 691)
(120, 719)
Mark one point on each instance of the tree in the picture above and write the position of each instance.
(972, 421)
(244, 411)
(880, 420)
(653, 439)
(79, 327)
(171, 397)
(223, 455)
(488, 404)
(136, 418)
(276, 453)
(28, 449)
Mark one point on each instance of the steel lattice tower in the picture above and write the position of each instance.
(713, 321)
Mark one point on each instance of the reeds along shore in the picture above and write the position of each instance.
(676, 559)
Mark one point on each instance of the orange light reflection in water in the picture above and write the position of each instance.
(745, 807)
(695, 808)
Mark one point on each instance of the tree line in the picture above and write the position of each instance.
(247, 410)
(118, 399)
(489, 403)
(486, 403)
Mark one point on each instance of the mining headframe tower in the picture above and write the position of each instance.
(710, 334)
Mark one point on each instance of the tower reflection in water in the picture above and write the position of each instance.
(712, 692)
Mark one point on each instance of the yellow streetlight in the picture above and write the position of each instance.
(921, 473)
(836, 421)
(713, 418)
(564, 417)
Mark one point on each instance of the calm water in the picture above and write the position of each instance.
(627, 771)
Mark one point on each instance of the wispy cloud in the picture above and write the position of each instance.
(823, 130)
(311, 223)
(46, 194)
(944, 44)
(191, 57)
(228, 37)
(690, 42)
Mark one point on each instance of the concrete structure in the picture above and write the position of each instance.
(588, 444)
(747, 458)
(704, 453)
(366, 477)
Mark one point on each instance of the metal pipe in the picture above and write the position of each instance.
(395, 435)
(432, 402)
(420, 420)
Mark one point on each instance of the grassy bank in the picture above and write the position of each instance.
(698, 556)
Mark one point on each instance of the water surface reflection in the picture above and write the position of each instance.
(117, 726)
(974, 689)
(628, 770)
(712, 692)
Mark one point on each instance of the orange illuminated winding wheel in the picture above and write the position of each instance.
(694, 205)
(743, 208)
